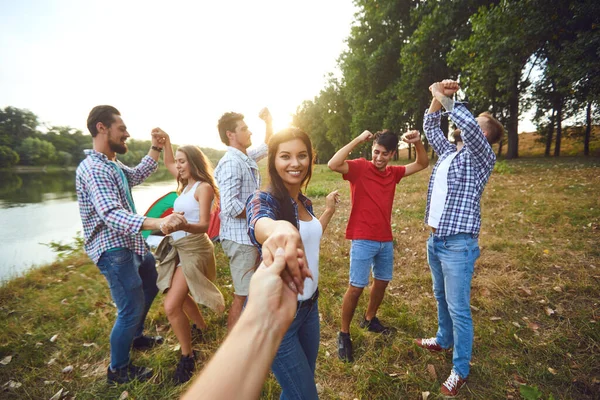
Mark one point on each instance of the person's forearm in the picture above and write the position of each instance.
(200, 227)
(435, 106)
(326, 217)
(151, 223)
(168, 158)
(155, 154)
(421, 158)
(268, 131)
(340, 156)
(264, 227)
(243, 360)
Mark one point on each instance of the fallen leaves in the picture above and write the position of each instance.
(549, 311)
(6, 360)
(431, 371)
(53, 338)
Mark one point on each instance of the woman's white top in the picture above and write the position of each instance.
(187, 203)
(310, 233)
(439, 192)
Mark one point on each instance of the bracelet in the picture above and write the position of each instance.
(159, 149)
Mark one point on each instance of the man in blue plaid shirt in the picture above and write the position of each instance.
(113, 240)
(454, 217)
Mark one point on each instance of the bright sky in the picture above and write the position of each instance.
(178, 65)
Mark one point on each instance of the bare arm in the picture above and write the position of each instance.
(338, 161)
(240, 366)
(331, 202)
(205, 195)
(265, 115)
(168, 158)
(422, 161)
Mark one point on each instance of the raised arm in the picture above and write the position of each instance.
(422, 161)
(338, 161)
(168, 157)
(266, 116)
(431, 122)
(331, 202)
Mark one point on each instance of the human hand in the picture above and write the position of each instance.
(265, 115)
(332, 200)
(286, 236)
(446, 88)
(413, 136)
(159, 137)
(365, 136)
(172, 223)
(270, 299)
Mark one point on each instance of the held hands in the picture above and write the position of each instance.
(332, 200)
(265, 115)
(172, 223)
(447, 87)
(270, 299)
(287, 237)
(159, 137)
(412, 137)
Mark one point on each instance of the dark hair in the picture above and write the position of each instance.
(277, 187)
(387, 139)
(104, 114)
(228, 122)
(200, 168)
(493, 127)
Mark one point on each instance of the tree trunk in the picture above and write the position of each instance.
(513, 121)
(558, 128)
(550, 134)
(588, 130)
(499, 149)
(409, 152)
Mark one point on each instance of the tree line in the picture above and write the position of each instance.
(22, 143)
(510, 57)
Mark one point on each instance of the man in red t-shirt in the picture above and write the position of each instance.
(372, 186)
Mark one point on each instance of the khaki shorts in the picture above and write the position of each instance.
(243, 259)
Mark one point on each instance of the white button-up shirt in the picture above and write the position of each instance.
(238, 177)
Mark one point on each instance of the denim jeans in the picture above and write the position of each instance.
(451, 260)
(296, 358)
(367, 255)
(132, 282)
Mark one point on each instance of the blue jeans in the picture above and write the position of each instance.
(367, 255)
(132, 282)
(452, 260)
(296, 358)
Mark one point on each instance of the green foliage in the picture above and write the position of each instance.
(532, 393)
(8, 157)
(503, 167)
(34, 151)
(67, 250)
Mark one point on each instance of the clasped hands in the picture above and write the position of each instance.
(172, 223)
(159, 137)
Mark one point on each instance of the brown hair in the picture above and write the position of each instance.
(493, 127)
(200, 168)
(228, 122)
(278, 188)
(104, 114)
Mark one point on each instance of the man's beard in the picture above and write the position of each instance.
(118, 147)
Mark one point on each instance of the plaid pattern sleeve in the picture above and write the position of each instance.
(259, 152)
(260, 205)
(434, 134)
(107, 218)
(141, 172)
(229, 176)
(467, 175)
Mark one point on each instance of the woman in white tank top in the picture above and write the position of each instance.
(284, 214)
(187, 268)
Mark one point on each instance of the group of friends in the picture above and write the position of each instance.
(272, 239)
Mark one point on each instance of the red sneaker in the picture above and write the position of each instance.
(452, 385)
(429, 344)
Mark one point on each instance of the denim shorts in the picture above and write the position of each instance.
(367, 255)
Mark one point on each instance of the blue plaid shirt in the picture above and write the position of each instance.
(468, 172)
(264, 204)
(108, 219)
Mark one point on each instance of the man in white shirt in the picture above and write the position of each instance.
(238, 177)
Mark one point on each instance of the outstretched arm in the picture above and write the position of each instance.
(241, 364)
(338, 161)
(421, 162)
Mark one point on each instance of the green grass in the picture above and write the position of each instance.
(540, 250)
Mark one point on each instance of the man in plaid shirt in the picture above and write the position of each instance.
(454, 217)
(238, 177)
(112, 235)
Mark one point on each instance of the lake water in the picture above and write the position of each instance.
(37, 208)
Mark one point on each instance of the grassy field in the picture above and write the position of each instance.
(535, 300)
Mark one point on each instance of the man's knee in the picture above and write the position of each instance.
(354, 291)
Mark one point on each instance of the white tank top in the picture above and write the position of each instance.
(190, 207)
(310, 233)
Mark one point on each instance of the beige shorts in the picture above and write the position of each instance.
(243, 259)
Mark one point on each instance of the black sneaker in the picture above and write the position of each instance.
(185, 368)
(197, 334)
(374, 325)
(146, 342)
(128, 374)
(345, 347)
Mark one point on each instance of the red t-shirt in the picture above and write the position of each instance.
(372, 194)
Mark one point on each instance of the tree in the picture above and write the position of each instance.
(16, 125)
(8, 157)
(34, 151)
